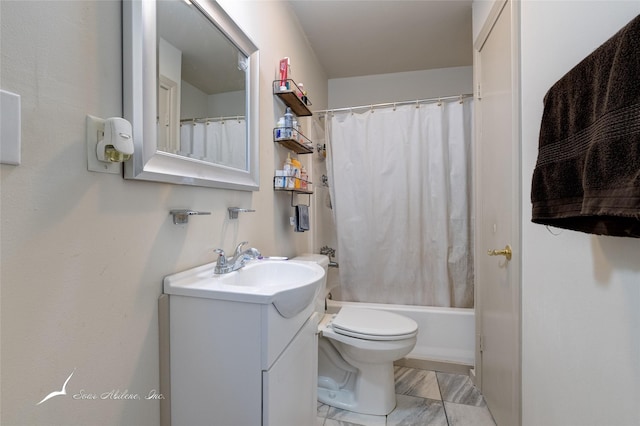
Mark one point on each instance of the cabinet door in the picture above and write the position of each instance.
(289, 386)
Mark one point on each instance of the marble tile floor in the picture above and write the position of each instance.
(424, 398)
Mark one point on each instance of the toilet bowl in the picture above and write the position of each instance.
(356, 351)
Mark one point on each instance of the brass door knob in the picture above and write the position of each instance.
(506, 252)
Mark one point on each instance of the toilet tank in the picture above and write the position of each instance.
(322, 291)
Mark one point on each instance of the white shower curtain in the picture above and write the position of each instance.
(220, 142)
(401, 188)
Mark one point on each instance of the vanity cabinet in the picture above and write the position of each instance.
(237, 363)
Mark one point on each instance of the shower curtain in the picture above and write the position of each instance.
(401, 188)
(219, 142)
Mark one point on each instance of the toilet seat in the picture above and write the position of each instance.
(372, 324)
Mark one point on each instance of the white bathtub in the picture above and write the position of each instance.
(444, 334)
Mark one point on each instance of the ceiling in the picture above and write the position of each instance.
(365, 37)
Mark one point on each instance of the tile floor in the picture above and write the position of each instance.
(424, 398)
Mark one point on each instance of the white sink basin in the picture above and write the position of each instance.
(289, 285)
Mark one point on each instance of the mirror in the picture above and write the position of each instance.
(190, 90)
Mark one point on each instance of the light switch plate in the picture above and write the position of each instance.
(9, 128)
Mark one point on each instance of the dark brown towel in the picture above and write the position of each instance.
(587, 177)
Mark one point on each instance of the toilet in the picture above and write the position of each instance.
(356, 351)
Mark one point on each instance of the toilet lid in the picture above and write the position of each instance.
(373, 324)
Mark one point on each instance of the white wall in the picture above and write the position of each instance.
(402, 86)
(580, 293)
(84, 254)
(194, 103)
(226, 104)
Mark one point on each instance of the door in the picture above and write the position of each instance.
(498, 216)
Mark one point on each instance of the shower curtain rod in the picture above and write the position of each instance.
(211, 119)
(394, 104)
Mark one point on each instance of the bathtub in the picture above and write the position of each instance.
(445, 335)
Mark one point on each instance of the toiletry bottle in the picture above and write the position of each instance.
(303, 178)
(296, 172)
(288, 172)
(280, 129)
(288, 123)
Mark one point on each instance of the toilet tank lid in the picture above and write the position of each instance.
(320, 259)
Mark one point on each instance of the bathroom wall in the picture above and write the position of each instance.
(580, 293)
(402, 86)
(83, 254)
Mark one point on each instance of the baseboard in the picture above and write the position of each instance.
(428, 364)
(472, 376)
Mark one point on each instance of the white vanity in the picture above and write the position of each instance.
(243, 345)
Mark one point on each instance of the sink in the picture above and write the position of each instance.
(290, 285)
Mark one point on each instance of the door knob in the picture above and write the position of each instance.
(506, 252)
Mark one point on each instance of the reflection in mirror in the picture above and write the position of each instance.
(201, 88)
(190, 90)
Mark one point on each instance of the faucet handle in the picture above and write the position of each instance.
(222, 260)
(239, 248)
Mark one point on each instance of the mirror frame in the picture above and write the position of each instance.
(139, 99)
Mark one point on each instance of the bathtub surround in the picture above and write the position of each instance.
(401, 190)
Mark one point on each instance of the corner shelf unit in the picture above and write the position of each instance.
(292, 97)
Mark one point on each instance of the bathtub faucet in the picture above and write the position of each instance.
(331, 252)
(224, 265)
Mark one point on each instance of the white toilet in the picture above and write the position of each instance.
(356, 351)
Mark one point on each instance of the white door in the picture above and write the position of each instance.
(498, 216)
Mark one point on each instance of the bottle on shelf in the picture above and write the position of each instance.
(288, 123)
(288, 173)
(280, 130)
(304, 184)
(296, 166)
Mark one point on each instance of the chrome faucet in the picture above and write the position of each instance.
(328, 251)
(225, 265)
